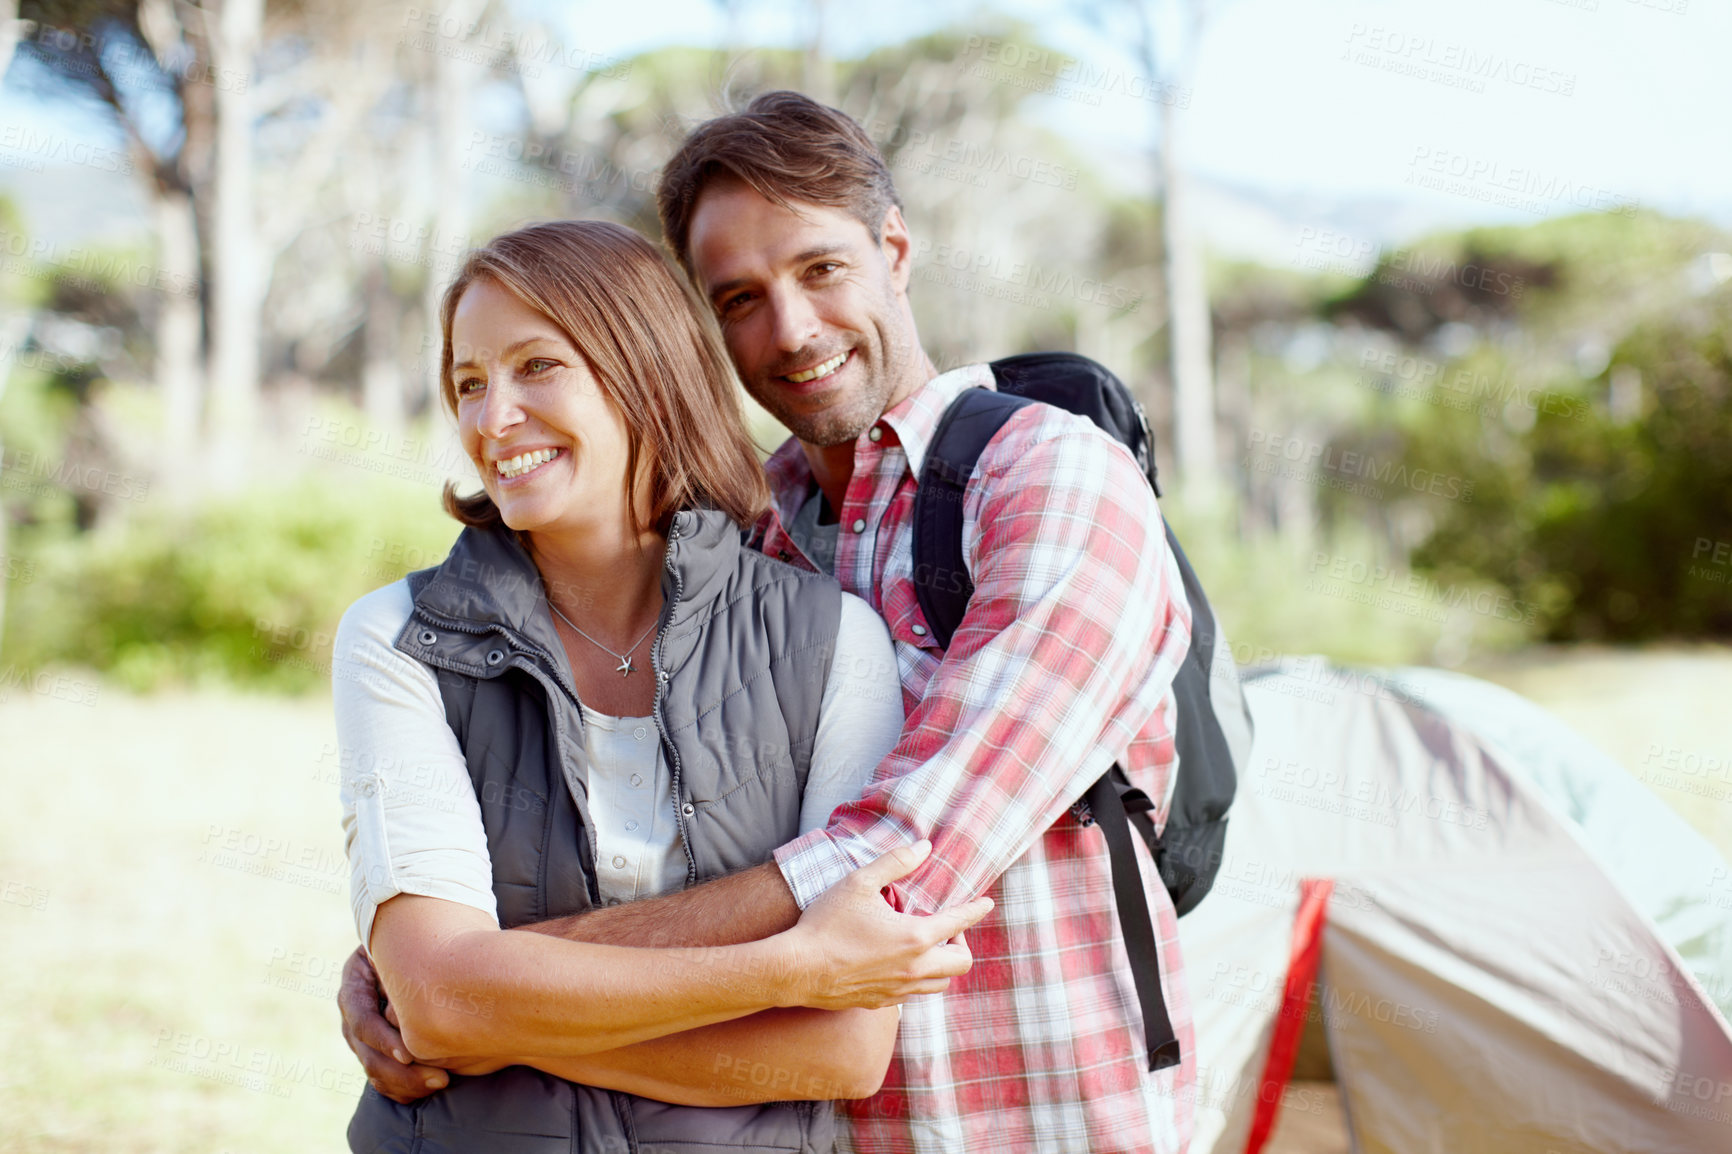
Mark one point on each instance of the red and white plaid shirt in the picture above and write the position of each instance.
(1063, 664)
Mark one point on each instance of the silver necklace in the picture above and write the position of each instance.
(625, 668)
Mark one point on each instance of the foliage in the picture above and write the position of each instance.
(1590, 423)
(248, 590)
(1617, 529)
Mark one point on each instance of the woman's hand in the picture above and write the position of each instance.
(851, 949)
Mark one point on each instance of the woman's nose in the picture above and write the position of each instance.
(500, 410)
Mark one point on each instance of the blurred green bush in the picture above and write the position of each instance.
(1615, 518)
(246, 591)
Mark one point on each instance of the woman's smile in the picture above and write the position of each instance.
(524, 465)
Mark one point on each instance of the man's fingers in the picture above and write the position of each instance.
(898, 863)
(409, 1084)
(372, 1030)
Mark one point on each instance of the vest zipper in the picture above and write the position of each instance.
(551, 683)
(658, 706)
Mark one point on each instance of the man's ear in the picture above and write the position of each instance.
(898, 248)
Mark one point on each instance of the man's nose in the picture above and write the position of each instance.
(796, 321)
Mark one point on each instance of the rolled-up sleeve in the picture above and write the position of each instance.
(411, 822)
(1076, 628)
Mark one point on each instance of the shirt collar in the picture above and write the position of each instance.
(916, 418)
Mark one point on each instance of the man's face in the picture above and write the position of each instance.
(815, 312)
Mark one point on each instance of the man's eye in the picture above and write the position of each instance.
(733, 303)
(825, 268)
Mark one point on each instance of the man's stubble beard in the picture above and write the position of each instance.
(843, 423)
(837, 425)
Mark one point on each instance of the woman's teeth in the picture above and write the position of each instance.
(822, 370)
(523, 462)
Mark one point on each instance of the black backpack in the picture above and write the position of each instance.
(1213, 725)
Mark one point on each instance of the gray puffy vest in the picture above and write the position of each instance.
(741, 657)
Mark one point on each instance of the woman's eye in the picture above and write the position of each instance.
(538, 365)
(467, 385)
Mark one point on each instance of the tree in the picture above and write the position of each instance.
(1165, 77)
(118, 54)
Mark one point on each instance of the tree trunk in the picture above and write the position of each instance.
(236, 275)
(179, 320)
(14, 331)
(453, 81)
(11, 30)
(1188, 329)
(381, 373)
(816, 74)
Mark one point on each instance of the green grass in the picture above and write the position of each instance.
(150, 940)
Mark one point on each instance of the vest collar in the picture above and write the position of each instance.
(488, 578)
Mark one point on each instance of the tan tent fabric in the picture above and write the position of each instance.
(1475, 983)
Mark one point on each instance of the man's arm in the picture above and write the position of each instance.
(462, 987)
(1074, 633)
(742, 907)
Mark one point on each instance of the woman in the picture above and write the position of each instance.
(600, 695)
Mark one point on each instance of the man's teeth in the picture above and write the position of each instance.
(523, 462)
(822, 370)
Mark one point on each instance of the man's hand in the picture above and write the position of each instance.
(390, 1068)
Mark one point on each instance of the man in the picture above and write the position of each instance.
(787, 221)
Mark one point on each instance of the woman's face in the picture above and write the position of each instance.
(549, 444)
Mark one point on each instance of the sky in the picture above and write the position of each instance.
(1386, 117)
(1374, 120)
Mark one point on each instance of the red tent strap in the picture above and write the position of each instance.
(1303, 957)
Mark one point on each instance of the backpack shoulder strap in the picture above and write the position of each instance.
(941, 581)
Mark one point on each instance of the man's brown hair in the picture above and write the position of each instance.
(653, 348)
(787, 148)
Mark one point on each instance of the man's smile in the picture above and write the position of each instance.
(820, 372)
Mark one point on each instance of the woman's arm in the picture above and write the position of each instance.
(773, 1056)
(461, 987)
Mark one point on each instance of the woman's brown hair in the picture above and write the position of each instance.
(654, 350)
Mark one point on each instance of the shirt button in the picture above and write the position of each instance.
(688, 809)
(859, 525)
(631, 825)
(877, 434)
(640, 733)
(618, 862)
(613, 901)
(636, 780)
(918, 630)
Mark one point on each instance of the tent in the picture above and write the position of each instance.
(1509, 943)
